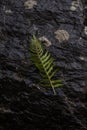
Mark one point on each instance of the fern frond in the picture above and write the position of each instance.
(44, 62)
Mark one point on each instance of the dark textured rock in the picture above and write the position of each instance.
(23, 105)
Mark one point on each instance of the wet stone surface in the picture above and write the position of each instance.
(23, 105)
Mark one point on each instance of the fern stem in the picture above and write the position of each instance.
(52, 86)
(46, 73)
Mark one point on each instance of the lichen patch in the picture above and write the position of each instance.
(29, 4)
(62, 35)
(45, 41)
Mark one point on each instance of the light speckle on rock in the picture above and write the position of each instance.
(85, 30)
(8, 11)
(45, 41)
(4, 110)
(30, 3)
(62, 35)
(75, 4)
(80, 38)
(81, 58)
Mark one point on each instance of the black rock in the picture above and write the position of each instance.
(23, 105)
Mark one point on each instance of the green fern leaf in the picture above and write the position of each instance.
(44, 62)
